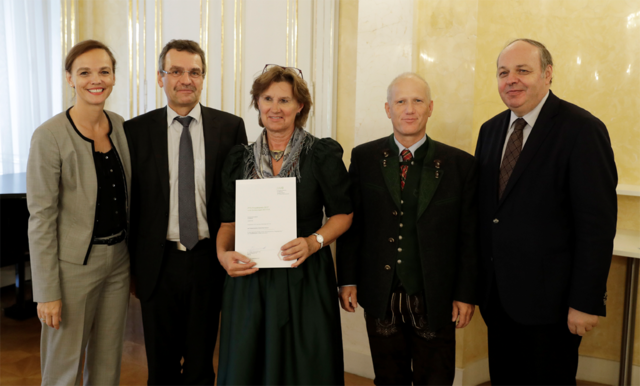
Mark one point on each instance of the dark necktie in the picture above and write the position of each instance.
(406, 157)
(187, 188)
(511, 155)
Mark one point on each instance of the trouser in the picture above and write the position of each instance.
(95, 298)
(403, 338)
(528, 355)
(181, 318)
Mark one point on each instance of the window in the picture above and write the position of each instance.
(31, 75)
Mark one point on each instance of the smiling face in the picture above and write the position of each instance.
(92, 77)
(278, 108)
(183, 92)
(409, 108)
(521, 82)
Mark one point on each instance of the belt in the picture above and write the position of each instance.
(177, 246)
(111, 240)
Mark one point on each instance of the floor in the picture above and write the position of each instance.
(578, 383)
(20, 349)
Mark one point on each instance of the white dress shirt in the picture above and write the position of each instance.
(530, 118)
(174, 131)
(412, 148)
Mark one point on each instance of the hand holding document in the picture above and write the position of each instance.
(265, 220)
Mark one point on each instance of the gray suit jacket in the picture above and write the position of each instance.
(62, 189)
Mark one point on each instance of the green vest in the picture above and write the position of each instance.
(408, 267)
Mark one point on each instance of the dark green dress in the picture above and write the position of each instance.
(281, 326)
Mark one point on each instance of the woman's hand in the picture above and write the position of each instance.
(231, 262)
(300, 249)
(50, 313)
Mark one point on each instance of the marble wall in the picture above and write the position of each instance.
(454, 45)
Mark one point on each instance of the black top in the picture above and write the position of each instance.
(111, 217)
(111, 210)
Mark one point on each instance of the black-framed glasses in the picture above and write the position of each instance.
(193, 74)
(268, 66)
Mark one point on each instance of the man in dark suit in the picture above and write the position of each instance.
(177, 154)
(410, 255)
(547, 215)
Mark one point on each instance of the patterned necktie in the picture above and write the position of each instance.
(511, 155)
(406, 157)
(187, 217)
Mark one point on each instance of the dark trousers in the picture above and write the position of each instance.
(528, 355)
(403, 337)
(180, 319)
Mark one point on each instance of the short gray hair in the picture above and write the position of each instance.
(408, 75)
(182, 45)
(545, 56)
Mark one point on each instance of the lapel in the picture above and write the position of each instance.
(390, 168)
(432, 174)
(543, 126)
(212, 134)
(158, 138)
(495, 151)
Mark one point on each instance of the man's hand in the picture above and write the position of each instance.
(463, 312)
(50, 313)
(132, 286)
(349, 298)
(580, 322)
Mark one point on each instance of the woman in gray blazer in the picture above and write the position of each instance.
(77, 178)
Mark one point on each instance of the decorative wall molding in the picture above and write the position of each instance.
(68, 38)
(239, 37)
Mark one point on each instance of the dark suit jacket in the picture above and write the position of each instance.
(446, 227)
(147, 136)
(549, 239)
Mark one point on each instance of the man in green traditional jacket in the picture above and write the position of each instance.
(410, 256)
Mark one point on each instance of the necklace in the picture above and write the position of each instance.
(276, 154)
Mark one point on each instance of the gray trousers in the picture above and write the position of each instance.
(95, 298)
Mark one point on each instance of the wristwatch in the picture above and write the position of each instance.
(319, 239)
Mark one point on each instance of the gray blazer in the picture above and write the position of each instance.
(62, 189)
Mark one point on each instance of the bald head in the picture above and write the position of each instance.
(408, 75)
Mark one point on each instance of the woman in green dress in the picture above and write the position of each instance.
(280, 325)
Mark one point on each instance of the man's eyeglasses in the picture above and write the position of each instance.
(193, 74)
(269, 66)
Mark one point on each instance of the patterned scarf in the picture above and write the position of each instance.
(258, 155)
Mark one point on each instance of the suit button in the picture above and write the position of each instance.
(399, 237)
(388, 268)
(399, 261)
(391, 240)
(495, 221)
(395, 213)
(399, 249)
(401, 225)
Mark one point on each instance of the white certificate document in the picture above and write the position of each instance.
(265, 219)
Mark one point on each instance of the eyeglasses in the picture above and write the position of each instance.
(269, 66)
(194, 74)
